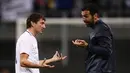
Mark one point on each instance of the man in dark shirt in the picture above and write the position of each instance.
(100, 58)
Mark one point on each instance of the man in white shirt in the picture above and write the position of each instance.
(27, 59)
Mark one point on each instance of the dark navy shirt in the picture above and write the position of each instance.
(101, 54)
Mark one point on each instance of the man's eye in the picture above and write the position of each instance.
(42, 22)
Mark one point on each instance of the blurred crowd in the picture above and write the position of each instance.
(12, 9)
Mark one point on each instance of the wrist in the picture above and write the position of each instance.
(44, 61)
(52, 59)
(49, 60)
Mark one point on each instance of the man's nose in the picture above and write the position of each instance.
(44, 26)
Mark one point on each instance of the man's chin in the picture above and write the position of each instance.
(41, 32)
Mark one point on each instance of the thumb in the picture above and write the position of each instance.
(50, 66)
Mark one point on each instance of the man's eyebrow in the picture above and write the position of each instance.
(42, 22)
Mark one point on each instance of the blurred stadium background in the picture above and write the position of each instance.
(64, 24)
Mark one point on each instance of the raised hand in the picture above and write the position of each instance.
(79, 42)
(45, 65)
(58, 57)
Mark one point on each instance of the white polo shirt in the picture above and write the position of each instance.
(27, 43)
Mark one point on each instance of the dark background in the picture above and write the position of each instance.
(50, 40)
(76, 55)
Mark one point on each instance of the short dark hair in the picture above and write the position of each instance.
(35, 17)
(93, 8)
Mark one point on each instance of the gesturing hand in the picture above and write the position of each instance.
(79, 42)
(58, 57)
(45, 65)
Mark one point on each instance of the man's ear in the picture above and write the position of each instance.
(95, 16)
(32, 23)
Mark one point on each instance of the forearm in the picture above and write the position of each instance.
(47, 61)
(102, 45)
(101, 50)
(26, 63)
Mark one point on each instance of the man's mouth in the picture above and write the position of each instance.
(86, 22)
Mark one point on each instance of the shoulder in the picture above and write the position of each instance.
(25, 37)
(103, 29)
(102, 26)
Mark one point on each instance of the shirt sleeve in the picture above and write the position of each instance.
(25, 46)
(102, 47)
(103, 43)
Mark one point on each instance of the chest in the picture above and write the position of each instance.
(92, 35)
(92, 38)
(34, 50)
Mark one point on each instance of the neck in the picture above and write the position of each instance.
(94, 23)
(32, 31)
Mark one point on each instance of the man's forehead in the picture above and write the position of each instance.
(41, 20)
(86, 12)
